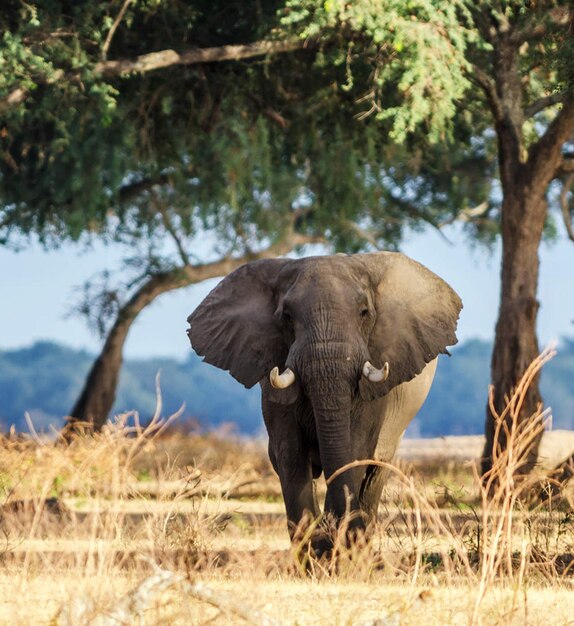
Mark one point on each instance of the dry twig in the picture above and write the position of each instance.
(132, 606)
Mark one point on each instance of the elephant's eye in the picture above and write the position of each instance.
(364, 312)
(286, 316)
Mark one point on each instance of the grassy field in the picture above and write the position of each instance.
(154, 526)
(168, 529)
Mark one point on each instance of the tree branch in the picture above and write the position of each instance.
(131, 190)
(19, 94)
(113, 29)
(168, 58)
(564, 205)
(468, 215)
(539, 25)
(197, 273)
(165, 218)
(543, 103)
(488, 86)
(565, 166)
(545, 156)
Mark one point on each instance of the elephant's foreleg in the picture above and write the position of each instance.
(290, 456)
(298, 490)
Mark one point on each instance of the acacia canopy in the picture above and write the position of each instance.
(240, 112)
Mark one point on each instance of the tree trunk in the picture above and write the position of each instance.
(525, 173)
(525, 183)
(99, 393)
(516, 343)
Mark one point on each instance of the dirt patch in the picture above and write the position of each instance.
(555, 447)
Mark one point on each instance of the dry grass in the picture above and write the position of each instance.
(151, 526)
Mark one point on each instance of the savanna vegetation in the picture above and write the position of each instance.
(153, 526)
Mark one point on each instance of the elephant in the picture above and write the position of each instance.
(345, 350)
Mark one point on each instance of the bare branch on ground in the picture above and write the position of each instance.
(132, 606)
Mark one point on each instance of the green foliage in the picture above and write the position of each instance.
(78, 138)
(237, 146)
(376, 126)
(417, 49)
(46, 378)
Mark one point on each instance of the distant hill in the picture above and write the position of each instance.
(45, 379)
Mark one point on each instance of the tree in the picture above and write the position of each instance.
(99, 391)
(532, 107)
(100, 162)
(176, 144)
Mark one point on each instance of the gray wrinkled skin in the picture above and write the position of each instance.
(323, 317)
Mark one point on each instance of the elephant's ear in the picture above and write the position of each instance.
(234, 328)
(417, 313)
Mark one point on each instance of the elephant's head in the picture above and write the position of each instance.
(335, 329)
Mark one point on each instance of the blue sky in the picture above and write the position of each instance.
(38, 289)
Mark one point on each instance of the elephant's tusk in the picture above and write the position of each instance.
(375, 375)
(281, 381)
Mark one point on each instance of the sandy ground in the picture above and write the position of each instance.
(555, 447)
(291, 603)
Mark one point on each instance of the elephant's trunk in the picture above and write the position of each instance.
(330, 387)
